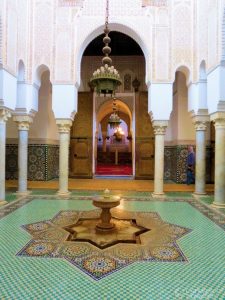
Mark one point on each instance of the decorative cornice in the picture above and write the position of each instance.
(23, 121)
(4, 115)
(64, 125)
(160, 127)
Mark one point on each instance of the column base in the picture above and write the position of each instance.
(218, 205)
(158, 195)
(197, 194)
(3, 202)
(63, 193)
(23, 194)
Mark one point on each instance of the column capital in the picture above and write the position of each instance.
(200, 121)
(160, 127)
(64, 125)
(218, 119)
(200, 126)
(4, 115)
(23, 121)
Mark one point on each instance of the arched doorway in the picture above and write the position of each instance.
(114, 155)
(129, 60)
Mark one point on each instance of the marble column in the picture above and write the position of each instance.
(159, 131)
(219, 195)
(200, 158)
(64, 140)
(4, 115)
(130, 142)
(23, 123)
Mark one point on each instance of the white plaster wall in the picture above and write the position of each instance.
(181, 129)
(160, 100)
(11, 129)
(44, 125)
(216, 89)
(8, 89)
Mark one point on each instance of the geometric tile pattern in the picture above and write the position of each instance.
(43, 162)
(50, 240)
(175, 166)
(34, 278)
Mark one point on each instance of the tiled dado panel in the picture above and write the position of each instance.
(176, 163)
(43, 162)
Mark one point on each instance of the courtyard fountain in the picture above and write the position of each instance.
(106, 202)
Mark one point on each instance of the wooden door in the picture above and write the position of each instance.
(144, 140)
(81, 138)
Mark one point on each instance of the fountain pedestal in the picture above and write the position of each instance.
(106, 203)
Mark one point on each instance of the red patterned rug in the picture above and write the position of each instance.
(103, 169)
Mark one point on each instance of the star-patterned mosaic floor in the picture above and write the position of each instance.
(179, 256)
(138, 236)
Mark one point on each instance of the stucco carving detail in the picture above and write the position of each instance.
(199, 126)
(63, 125)
(23, 122)
(44, 31)
(4, 115)
(159, 127)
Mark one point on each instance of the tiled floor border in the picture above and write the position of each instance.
(214, 215)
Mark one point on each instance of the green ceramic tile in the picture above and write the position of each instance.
(202, 277)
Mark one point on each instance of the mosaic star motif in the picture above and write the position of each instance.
(50, 238)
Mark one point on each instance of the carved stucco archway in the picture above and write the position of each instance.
(127, 29)
(125, 113)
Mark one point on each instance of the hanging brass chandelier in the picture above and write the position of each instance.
(106, 79)
(114, 120)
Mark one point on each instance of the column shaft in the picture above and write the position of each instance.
(219, 199)
(2, 159)
(23, 123)
(64, 139)
(63, 162)
(159, 164)
(4, 115)
(159, 130)
(200, 169)
(22, 160)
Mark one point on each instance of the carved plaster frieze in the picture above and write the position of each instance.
(23, 122)
(70, 3)
(159, 127)
(64, 125)
(4, 115)
(155, 3)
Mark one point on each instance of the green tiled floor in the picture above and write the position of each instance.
(43, 278)
(10, 197)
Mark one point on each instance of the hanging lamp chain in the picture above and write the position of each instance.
(107, 14)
